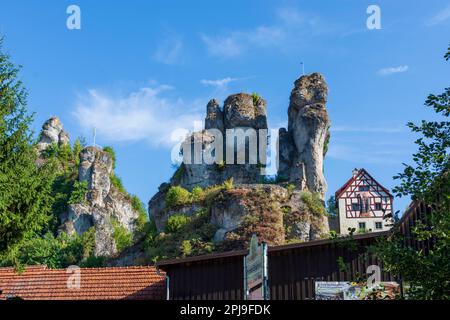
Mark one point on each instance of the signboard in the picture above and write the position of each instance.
(256, 271)
(356, 291)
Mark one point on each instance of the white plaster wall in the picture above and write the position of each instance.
(345, 223)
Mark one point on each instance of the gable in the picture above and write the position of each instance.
(362, 182)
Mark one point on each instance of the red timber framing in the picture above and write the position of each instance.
(371, 201)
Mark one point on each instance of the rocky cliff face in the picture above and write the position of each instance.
(52, 133)
(104, 203)
(274, 213)
(303, 145)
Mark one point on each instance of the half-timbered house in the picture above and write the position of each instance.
(363, 204)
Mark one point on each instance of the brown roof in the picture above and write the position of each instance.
(41, 283)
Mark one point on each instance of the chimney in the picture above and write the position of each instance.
(355, 172)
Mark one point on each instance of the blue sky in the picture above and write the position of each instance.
(137, 70)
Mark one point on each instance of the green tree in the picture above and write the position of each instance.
(331, 207)
(427, 180)
(25, 188)
(122, 237)
(79, 192)
(77, 147)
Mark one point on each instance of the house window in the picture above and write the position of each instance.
(364, 204)
(363, 188)
(355, 206)
(362, 226)
(378, 225)
(378, 206)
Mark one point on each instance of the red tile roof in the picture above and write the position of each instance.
(41, 283)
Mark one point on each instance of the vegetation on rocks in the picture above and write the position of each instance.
(314, 203)
(122, 237)
(79, 192)
(264, 218)
(184, 236)
(177, 196)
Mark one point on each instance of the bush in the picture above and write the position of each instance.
(88, 242)
(142, 218)
(290, 188)
(198, 194)
(77, 147)
(79, 192)
(177, 196)
(176, 222)
(122, 237)
(313, 202)
(93, 262)
(187, 236)
(256, 98)
(51, 151)
(112, 153)
(117, 183)
(228, 184)
(186, 248)
(65, 154)
(54, 252)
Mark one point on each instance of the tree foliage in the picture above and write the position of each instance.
(25, 196)
(428, 181)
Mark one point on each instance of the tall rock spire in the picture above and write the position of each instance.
(303, 144)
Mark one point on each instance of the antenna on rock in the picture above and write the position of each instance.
(303, 68)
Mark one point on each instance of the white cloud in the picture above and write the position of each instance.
(219, 84)
(237, 42)
(440, 17)
(392, 70)
(140, 116)
(169, 51)
(289, 27)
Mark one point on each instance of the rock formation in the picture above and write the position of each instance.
(303, 145)
(52, 133)
(240, 113)
(104, 203)
(277, 212)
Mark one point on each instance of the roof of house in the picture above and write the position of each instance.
(41, 283)
(361, 171)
